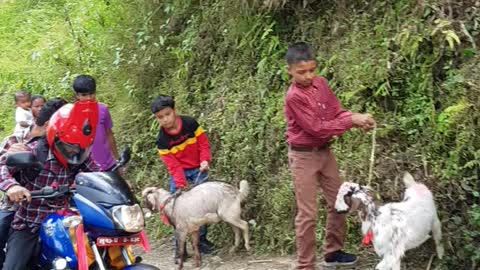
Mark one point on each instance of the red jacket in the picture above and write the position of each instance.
(184, 150)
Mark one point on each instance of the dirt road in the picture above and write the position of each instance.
(161, 256)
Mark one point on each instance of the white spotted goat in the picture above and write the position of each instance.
(396, 227)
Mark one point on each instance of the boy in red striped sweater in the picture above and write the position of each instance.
(184, 148)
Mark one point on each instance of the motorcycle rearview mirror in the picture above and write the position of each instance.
(23, 160)
(125, 156)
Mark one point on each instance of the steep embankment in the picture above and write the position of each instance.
(413, 64)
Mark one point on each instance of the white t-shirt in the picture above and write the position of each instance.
(22, 115)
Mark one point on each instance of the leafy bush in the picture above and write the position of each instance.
(413, 64)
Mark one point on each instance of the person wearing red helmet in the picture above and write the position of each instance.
(72, 137)
(67, 146)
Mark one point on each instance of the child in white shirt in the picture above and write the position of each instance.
(23, 114)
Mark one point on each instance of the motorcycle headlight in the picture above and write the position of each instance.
(60, 264)
(129, 218)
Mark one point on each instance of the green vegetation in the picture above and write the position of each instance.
(412, 63)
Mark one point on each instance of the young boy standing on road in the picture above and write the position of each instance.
(104, 148)
(314, 116)
(184, 148)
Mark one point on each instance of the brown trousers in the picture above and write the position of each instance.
(311, 170)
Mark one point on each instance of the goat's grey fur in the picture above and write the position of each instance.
(207, 203)
(397, 227)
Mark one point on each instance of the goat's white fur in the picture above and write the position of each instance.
(207, 203)
(399, 226)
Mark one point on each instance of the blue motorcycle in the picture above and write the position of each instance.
(98, 226)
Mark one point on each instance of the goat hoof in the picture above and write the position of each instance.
(440, 252)
(179, 262)
(232, 250)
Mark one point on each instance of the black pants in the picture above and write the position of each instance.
(20, 248)
(6, 218)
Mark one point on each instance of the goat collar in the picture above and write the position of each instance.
(165, 218)
(367, 238)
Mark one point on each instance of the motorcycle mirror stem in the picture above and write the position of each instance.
(125, 157)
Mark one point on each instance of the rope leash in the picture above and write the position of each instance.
(195, 183)
(372, 156)
(174, 197)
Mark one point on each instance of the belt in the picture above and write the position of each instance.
(309, 148)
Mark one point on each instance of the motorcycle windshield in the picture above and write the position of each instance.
(104, 188)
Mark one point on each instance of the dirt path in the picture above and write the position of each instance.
(161, 256)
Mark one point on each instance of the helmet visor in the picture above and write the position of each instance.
(72, 153)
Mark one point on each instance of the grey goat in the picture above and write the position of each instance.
(207, 203)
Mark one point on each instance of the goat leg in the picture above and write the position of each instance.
(237, 232)
(243, 226)
(437, 236)
(181, 238)
(246, 237)
(196, 250)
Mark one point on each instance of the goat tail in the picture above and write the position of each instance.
(408, 180)
(244, 190)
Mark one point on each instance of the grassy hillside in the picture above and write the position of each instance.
(412, 64)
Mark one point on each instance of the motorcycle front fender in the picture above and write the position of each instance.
(140, 266)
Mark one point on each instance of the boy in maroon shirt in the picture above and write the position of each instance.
(314, 116)
(184, 148)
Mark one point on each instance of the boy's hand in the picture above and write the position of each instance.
(364, 121)
(370, 124)
(359, 120)
(204, 166)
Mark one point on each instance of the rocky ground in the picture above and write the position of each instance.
(161, 256)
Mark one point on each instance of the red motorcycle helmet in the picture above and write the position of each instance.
(71, 131)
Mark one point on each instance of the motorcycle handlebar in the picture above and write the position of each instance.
(52, 192)
(61, 190)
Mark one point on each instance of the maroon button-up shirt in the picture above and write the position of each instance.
(31, 215)
(314, 115)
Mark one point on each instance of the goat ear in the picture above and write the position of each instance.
(363, 213)
(151, 202)
(355, 203)
(147, 191)
(343, 195)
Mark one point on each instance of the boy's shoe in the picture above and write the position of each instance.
(339, 258)
(206, 247)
